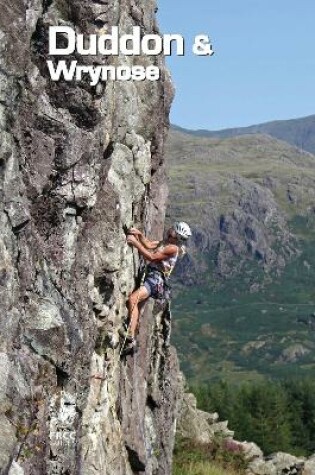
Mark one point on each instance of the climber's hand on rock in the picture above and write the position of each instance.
(131, 239)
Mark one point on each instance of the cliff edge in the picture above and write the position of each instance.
(78, 163)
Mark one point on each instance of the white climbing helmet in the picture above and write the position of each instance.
(182, 230)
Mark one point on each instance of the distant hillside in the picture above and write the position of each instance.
(245, 299)
(297, 132)
(239, 194)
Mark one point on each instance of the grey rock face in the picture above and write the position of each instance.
(199, 426)
(77, 164)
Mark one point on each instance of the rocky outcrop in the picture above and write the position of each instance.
(200, 426)
(205, 428)
(78, 163)
(282, 464)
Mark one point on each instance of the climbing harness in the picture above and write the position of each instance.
(162, 292)
(159, 280)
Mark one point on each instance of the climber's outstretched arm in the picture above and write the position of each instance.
(147, 243)
(158, 255)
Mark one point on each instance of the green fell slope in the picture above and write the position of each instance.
(244, 304)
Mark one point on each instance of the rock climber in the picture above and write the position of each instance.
(162, 257)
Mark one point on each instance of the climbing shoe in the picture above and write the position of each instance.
(130, 346)
(125, 333)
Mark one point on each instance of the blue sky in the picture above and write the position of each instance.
(264, 63)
